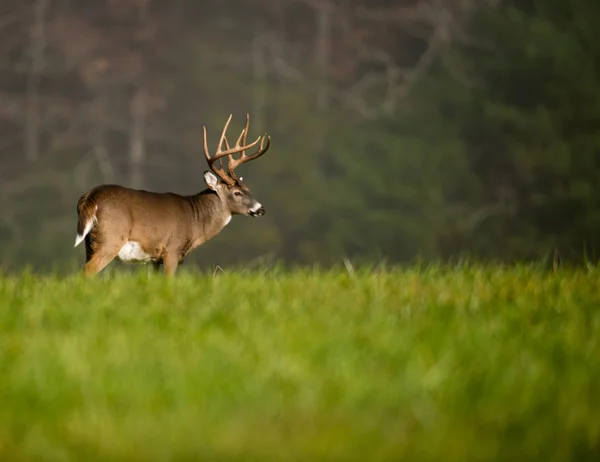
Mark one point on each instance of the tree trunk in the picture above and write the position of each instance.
(259, 87)
(322, 54)
(137, 148)
(37, 49)
(99, 139)
(322, 58)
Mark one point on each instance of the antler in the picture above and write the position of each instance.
(229, 177)
(235, 163)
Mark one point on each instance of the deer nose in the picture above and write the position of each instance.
(257, 210)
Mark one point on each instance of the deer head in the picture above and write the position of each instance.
(230, 188)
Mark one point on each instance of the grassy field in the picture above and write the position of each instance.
(470, 364)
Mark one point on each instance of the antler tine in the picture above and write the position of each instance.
(234, 163)
(241, 141)
(233, 150)
(245, 132)
(223, 134)
(230, 156)
(220, 172)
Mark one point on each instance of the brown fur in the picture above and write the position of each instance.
(167, 226)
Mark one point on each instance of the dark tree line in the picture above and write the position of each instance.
(401, 129)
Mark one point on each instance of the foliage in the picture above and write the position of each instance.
(455, 363)
(491, 150)
(527, 124)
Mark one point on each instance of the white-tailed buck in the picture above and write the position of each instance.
(162, 228)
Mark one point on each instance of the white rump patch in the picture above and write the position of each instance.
(132, 252)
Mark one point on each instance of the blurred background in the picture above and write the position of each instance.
(401, 130)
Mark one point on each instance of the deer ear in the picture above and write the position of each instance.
(211, 180)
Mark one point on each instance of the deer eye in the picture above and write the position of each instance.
(237, 193)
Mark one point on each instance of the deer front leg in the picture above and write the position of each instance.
(171, 262)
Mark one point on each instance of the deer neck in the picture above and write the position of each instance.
(210, 215)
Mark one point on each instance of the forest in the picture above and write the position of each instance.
(423, 285)
(402, 131)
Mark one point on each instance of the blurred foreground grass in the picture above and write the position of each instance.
(430, 364)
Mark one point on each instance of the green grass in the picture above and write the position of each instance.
(471, 364)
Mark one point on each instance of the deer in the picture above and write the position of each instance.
(161, 228)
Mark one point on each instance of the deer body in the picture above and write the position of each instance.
(139, 226)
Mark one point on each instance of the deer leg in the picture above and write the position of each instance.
(98, 262)
(171, 263)
(102, 256)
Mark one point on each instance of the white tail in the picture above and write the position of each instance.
(89, 224)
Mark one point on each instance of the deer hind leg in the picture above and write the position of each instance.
(97, 263)
(89, 248)
(100, 255)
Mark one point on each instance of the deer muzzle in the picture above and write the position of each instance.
(257, 210)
